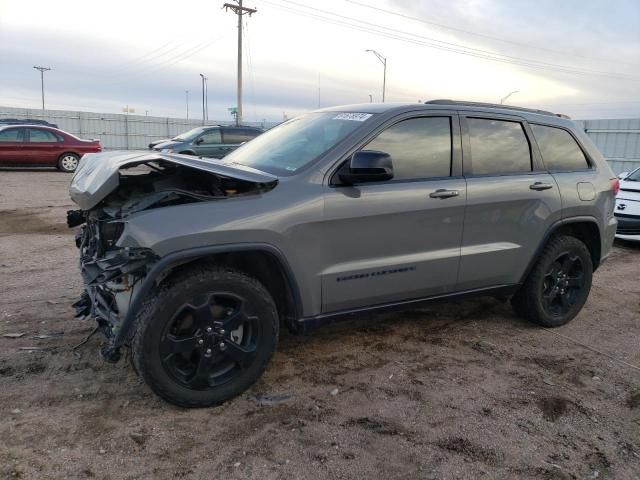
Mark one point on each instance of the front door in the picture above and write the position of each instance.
(511, 202)
(399, 239)
(209, 144)
(12, 146)
(41, 147)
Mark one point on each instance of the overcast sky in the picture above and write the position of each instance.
(580, 57)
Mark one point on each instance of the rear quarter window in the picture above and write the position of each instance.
(559, 149)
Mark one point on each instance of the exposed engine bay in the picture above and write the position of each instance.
(112, 273)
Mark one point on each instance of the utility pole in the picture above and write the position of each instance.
(203, 111)
(186, 93)
(239, 10)
(42, 70)
(383, 60)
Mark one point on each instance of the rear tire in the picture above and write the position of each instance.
(68, 162)
(205, 337)
(558, 286)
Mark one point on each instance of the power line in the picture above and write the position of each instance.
(482, 35)
(422, 40)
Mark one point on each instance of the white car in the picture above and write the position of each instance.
(627, 209)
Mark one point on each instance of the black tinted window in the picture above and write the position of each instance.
(498, 146)
(11, 135)
(559, 150)
(39, 136)
(238, 135)
(419, 147)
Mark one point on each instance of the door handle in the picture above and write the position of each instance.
(444, 193)
(540, 186)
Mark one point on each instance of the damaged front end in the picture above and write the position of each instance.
(110, 188)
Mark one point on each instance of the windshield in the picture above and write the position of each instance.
(290, 146)
(634, 176)
(190, 135)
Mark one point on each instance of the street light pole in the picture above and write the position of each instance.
(42, 70)
(203, 111)
(383, 60)
(503, 99)
(186, 93)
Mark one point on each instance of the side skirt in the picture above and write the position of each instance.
(307, 324)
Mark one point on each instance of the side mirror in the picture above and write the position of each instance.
(367, 166)
(623, 175)
(199, 141)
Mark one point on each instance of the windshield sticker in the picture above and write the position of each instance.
(356, 117)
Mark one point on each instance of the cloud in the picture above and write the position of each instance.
(146, 54)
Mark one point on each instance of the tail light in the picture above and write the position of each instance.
(615, 186)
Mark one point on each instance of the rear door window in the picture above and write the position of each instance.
(498, 147)
(559, 149)
(41, 136)
(236, 136)
(12, 135)
(419, 147)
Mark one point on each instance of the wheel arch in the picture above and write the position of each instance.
(263, 261)
(584, 229)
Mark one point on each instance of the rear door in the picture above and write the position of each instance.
(42, 147)
(12, 146)
(397, 240)
(511, 201)
(209, 144)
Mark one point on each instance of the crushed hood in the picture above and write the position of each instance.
(97, 175)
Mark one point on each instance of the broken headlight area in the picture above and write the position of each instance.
(110, 273)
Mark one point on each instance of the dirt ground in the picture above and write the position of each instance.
(458, 390)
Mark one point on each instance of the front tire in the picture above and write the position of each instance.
(205, 337)
(68, 162)
(558, 286)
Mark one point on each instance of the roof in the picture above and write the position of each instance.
(444, 104)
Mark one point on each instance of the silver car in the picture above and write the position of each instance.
(195, 263)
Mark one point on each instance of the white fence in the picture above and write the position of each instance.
(618, 140)
(115, 131)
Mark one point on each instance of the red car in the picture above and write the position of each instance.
(34, 145)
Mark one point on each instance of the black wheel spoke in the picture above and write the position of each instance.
(575, 281)
(565, 300)
(242, 355)
(172, 345)
(201, 376)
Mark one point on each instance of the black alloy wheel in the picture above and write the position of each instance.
(205, 336)
(558, 285)
(209, 343)
(562, 284)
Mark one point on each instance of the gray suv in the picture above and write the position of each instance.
(195, 264)
(211, 141)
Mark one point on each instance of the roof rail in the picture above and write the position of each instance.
(493, 105)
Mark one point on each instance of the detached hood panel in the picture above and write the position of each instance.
(97, 175)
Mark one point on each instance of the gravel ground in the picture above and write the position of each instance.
(458, 390)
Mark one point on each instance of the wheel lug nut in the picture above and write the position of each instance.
(200, 342)
(208, 352)
(208, 329)
(222, 346)
(222, 332)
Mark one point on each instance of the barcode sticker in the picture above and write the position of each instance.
(356, 117)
